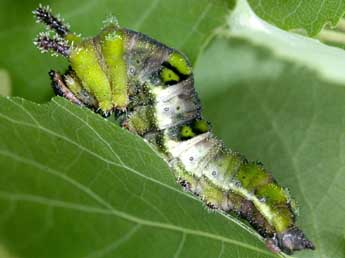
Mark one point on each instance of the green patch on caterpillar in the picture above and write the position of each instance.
(149, 88)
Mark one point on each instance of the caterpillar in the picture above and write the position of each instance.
(149, 88)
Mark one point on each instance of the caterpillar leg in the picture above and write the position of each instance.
(69, 87)
(271, 244)
(61, 89)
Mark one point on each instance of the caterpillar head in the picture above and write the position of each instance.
(289, 241)
(93, 63)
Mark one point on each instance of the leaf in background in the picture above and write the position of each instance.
(327, 61)
(183, 24)
(298, 14)
(5, 83)
(284, 115)
(75, 185)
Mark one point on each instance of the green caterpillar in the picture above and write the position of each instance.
(149, 88)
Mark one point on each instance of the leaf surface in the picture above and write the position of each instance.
(75, 185)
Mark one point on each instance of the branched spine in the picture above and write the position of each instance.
(56, 45)
(43, 15)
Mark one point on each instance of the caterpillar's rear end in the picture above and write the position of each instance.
(150, 89)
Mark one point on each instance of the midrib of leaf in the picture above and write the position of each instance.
(109, 208)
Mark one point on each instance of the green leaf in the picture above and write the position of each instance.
(284, 115)
(310, 16)
(75, 185)
(327, 61)
(184, 24)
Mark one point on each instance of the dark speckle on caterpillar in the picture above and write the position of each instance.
(149, 88)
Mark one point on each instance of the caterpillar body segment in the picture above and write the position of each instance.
(149, 87)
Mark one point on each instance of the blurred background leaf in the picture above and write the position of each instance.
(5, 83)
